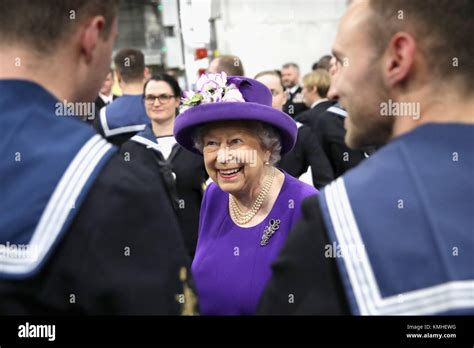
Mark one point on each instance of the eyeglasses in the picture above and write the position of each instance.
(162, 98)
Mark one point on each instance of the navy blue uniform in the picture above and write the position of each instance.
(307, 154)
(183, 173)
(329, 130)
(392, 236)
(122, 119)
(79, 231)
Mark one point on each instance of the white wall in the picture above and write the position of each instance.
(195, 16)
(268, 33)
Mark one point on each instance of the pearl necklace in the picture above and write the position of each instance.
(242, 218)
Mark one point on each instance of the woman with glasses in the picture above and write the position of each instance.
(155, 151)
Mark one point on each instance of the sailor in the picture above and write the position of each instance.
(402, 218)
(330, 132)
(126, 116)
(80, 233)
(155, 152)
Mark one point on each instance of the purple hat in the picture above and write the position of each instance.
(222, 98)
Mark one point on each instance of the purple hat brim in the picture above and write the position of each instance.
(187, 121)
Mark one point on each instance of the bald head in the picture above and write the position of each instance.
(231, 65)
(355, 21)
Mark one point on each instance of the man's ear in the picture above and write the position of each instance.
(285, 97)
(399, 58)
(91, 35)
(146, 74)
(118, 76)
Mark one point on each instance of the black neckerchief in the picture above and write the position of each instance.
(166, 171)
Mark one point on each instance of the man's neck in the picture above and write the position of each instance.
(450, 108)
(164, 128)
(22, 64)
(317, 101)
(132, 88)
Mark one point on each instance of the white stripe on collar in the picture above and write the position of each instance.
(144, 141)
(120, 130)
(426, 301)
(58, 207)
(338, 111)
(152, 145)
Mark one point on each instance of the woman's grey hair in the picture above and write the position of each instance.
(267, 135)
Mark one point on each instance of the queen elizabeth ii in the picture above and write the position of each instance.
(251, 206)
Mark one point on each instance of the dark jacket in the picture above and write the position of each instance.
(307, 153)
(295, 105)
(183, 173)
(330, 131)
(111, 243)
(309, 117)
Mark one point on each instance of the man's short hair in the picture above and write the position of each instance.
(43, 25)
(130, 64)
(319, 79)
(231, 65)
(290, 65)
(439, 28)
(323, 62)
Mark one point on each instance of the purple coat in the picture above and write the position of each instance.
(231, 268)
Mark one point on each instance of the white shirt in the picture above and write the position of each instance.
(165, 145)
(293, 89)
(107, 99)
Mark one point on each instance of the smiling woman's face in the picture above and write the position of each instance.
(234, 157)
(162, 102)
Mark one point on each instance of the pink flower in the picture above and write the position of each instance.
(211, 88)
(211, 81)
(232, 94)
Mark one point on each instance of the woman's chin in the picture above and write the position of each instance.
(229, 187)
(158, 117)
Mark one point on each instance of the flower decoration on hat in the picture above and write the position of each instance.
(211, 88)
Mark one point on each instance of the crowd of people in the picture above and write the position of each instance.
(274, 194)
